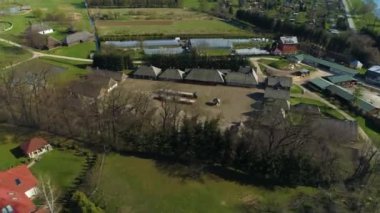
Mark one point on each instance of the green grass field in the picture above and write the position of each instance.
(295, 89)
(370, 129)
(145, 188)
(62, 167)
(82, 50)
(10, 55)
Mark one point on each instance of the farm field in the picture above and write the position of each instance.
(11, 55)
(72, 10)
(169, 22)
(147, 186)
(236, 102)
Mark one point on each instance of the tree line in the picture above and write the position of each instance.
(264, 149)
(115, 61)
(195, 60)
(357, 46)
(135, 3)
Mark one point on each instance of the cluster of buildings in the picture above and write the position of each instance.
(18, 186)
(40, 37)
(244, 77)
(336, 86)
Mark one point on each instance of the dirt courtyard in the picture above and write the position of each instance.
(236, 102)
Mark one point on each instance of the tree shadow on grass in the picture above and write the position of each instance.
(181, 171)
(17, 152)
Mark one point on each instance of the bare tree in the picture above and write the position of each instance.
(49, 193)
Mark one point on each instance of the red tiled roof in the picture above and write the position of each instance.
(13, 185)
(33, 145)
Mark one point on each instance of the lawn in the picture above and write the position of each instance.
(326, 110)
(282, 64)
(168, 21)
(61, 166)
(295, 89)
(214, 52)
(370, 129)
(74, 9)
(82, 50)
(10, 55)
(145, 188)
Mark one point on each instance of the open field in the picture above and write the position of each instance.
(72, 9)
(147, 187)
(10, 55)
(236, 102)
(161, 22)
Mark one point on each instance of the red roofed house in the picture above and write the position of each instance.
(35, 147)
(17, 187)
(288, 45)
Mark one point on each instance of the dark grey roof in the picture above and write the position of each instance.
(282, 81)
(78, 36)
(272, 93)
(340, 92)
(205, 75)
(340, 78)
(334, 67)
(241, 78)
(172, 74)
(147, 71)
(365, 106)
(320, 83)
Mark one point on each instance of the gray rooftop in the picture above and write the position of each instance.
(289, 40)
(147, 71)
(278, 94)
(78, 37)
(340, 78)
(205, 75)
(320, 83)
(243, 78)
(283, 81)
(172, 74)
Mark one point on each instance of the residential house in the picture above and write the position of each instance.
(35, 147)
(96, 85)
(244, 77)
(288, 45)
(373, 75)
(38, 37)
(147, 72)
(209, 76)
(172, 75)
(342, 80)
(17, 187)
(78, 37)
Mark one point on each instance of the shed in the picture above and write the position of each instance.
(356, 64)
(340, 92)
(320, 83)
(78, 37)
(172, 75)
(205, 75)
(149, 72)
(341, 79)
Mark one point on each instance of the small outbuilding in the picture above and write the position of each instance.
(342, 80)
(78, 37)
(147, 72)
(172, 75)
(356, 64)
(35, 147)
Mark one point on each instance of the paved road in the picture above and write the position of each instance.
(351, 23)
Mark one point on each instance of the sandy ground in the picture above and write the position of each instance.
(236, 102)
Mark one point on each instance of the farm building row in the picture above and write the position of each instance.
(344, 95)
(245, 76)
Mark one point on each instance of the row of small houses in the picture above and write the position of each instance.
(244, 77)
(362, 106)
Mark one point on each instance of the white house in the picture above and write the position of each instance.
(35, 147)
